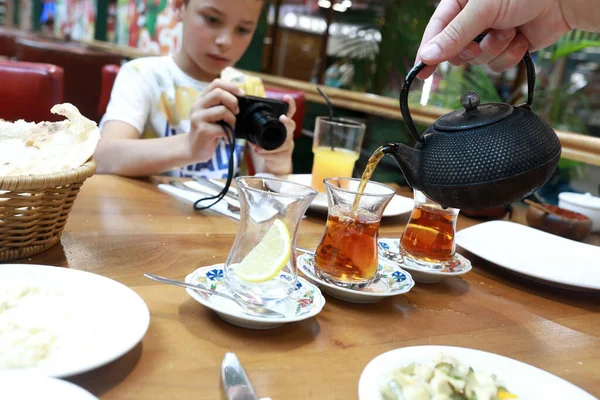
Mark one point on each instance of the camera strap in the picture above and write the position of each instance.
(230, 134)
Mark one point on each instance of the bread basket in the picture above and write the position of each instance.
(34, 209)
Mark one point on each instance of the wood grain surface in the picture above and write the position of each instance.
(121, 228)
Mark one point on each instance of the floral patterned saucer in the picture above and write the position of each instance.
(305, 302)
(458, 266)
(393, 281)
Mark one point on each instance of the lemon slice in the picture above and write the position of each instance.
(269, 256)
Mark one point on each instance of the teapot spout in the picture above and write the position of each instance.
(409, 160)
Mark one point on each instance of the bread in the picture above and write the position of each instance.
(27, 148)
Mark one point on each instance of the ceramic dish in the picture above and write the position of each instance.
(30, 386)
(305, 302)
(535, 254)
(585, 204)
(458, 266)
(80, 320)
(393, 282)
(523, 380)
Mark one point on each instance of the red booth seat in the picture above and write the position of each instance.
(82, 66)
(29, 90)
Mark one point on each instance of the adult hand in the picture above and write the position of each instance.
(512, 26)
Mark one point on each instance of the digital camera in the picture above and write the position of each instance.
(258, 121)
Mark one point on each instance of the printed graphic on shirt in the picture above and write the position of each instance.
(156, 97)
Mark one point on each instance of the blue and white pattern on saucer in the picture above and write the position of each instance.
(459, 265)
(304, 302)
(394, 281)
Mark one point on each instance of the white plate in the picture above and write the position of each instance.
(534, 253)
(524, 380)
(305, 302)
(393, 282)
(93, 319)
(397, 206)
(19, 385)
(459, 265)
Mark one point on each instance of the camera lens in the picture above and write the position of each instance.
(264, 128)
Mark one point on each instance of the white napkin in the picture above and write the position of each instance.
(191, 197)
(200, 188)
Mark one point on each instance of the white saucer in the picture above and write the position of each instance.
(458, 266)
(305, 302)
(394, 281)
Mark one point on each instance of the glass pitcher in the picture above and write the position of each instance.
(266, 203)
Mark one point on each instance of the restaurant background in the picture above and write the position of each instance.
(363, 46)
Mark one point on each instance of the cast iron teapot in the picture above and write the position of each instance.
(485, 155)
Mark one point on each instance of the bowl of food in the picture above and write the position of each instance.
(558, 221)
(585, 204)
(458, 373)
(42, 168)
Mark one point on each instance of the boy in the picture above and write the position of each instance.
(175, 102)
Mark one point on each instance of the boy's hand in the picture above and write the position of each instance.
(216, 103)
(279, 161)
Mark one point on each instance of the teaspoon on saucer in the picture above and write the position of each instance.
(249, 308)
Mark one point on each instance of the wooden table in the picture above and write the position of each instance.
(121, 228)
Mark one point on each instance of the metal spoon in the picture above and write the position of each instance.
(394, 257)
(249, 308)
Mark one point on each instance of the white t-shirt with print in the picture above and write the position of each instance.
(154, 95)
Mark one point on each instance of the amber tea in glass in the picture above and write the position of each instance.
(429, 237)
(347, 254)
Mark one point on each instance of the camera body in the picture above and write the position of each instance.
(258, 121)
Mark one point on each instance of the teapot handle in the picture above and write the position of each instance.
(420, 65)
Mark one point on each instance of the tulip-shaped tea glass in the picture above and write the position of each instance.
(261, 266)
(429, 238)
(347, 255)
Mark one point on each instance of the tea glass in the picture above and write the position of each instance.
(429, 240)
(347, 255)
(262, 201)
(336, 147)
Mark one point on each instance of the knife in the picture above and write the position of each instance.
(235, 381)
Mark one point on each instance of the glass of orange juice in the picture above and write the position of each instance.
(336, 147)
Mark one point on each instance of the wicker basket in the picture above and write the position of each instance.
(34, 209)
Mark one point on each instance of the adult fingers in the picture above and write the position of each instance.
(512, 55)
(445, 12)
(494, 44)
(466, 55)
(475, 18)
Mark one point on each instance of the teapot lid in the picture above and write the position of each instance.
(474, 114)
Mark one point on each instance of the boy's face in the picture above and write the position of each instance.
(217, 32)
